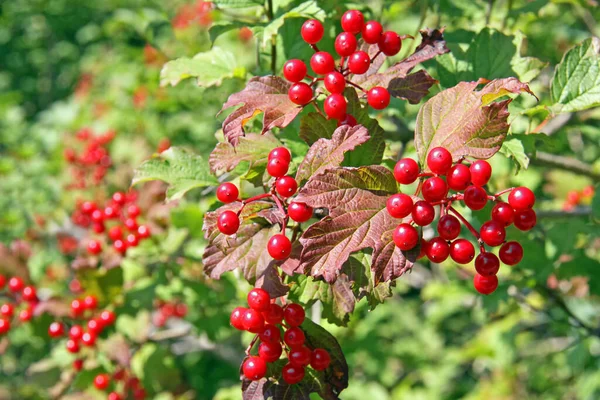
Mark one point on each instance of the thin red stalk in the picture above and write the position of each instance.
(251, 345)
(418, 190)
(424, 174)
(282, 210)
(500, 193)
(342, 64)
(315, 48)
(465, 222)
(250, 200)
(356, 86)
(375, 56)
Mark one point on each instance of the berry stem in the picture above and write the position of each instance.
(495, 197)
(251, 345)
(425, 174)
(465, 222)
(375, 56)
(315, 48)
(418, 190)
(314, 103)
(250, 200)
(356, 86)
(282, 210)
(342, 64)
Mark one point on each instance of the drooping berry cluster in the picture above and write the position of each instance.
(335, 75)
(89, 166)
(121, 379)
(265, 319)
(168, 309)
(575, 198)
(22, 300)
(468, 182)
(283, 187)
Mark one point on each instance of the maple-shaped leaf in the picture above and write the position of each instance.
(357, 220)
(263, 94)
(465, 121)
(252, 148)
(412, 87)
(314, 126)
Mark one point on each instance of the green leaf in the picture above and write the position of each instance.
(576, 82)
(314, 126)
(308, 9)
(209, 68)
(237, 3)
(183, 171)
(513, 148)
(252, 148)
(155, 367)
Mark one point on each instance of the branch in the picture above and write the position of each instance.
(565, 163)
(576, 212)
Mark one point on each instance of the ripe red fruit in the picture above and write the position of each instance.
(399, 205)
(237, 318)
(462, 251)
(300, 93)
(77, 364)
(277, 168)
(132, 240)
(26, 314)
(487, 264)
(282, 153)
(2, 281)
(90, 302)
(312, 31)
(320, 359)
(77, 307)
(4, 326)
(439, 160)
(114, 396)
(335, 82)
(437, 250)
(97, 216)
(7, 310)
(378, 97)
(423, 213)
(322, 63)
(294, 314)
(55, 330)
(95, 326)
(279, 247)
(131, 224)
(300, 212)
(107, 318)
(228, 222)
(259, 299)
(88, 339)
(521, 198)
(270, 333)
(503, 213)
(348, 120)
(29, 294)
(270, 351)
(143, 232)
(371, 32)
(94, 247)
(227, 192)
(345, 44)
(101, 381)
(359, 62)
(434, 189)
(133, 211)
(253, 321)
(525, 219)
(475, 197)
(120, 246)
(76, 332)
(292, 374)
(448, 227)
(72, 346)
(87, 207)
(300, 356)
(405, 237)
(115, 233)
(294, 70)
(481, 172)
(294, 337)
(493, 233)
(15, 284)
(390, 43)
(110, 212)
(458, 177)
(119, 198)
(98, 227)
(406, 171)
(485, 284)
(286, 186)
(254, 368)
(274, 314)
(335, 106)
(352, 21)
(511, 253)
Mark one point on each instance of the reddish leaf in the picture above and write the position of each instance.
(263, 94)
(412, 87)
(252, 148)
(314, 126)
(472, 124)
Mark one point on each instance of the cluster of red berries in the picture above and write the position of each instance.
(352, 62)
(575, 198)
(467, 182)
(123, 210)
(284, 186)
(199, 13)
(22, 296)
(130, 385)
(89, 167)
(168, 309)
(264, 318)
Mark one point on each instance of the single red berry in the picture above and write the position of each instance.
(254, 368)
(359, 62)
(462, 251)
(259, 299)
(133, 211)
(90, 302)
(72, 346)
(390, 43)
(279, 247)
(312, 31)
(115, 233)
(95, 326)
(253, 321)
(300, 212)
(503, 213)
(294, 70)
(300, 356)
(322, 63)
(120, 246)
(55, 330)
(439, 160)
(300, 93)
(458, 177)
(348, 120)
(98, 227)
(26, 314)
(292, 374)
(87, 207)
(277, 168)
(131, 224)
(335, 106)
(437, 250)
(101, 381)
(475, 197)
(274, 315)
(4, 326)
(345, 44)
(132, 240)
(521, 198)
(294, 337)
(525, 219)
(335, 82)
(434, 189)
(143, 231)
(76, 332)
(7, 309)
(493, 233)
(119, 198)
(399, 205)
(485, 284)
(378, 97)
(77, 307)
(78, 364)
(294, 314)
(487, 264)
(372, 32)
(107, 318)
(448, 227)
(282, 153)
(481, 172)
(270, 351)
(237, 318)
(228, 222)
(15, 284)
(97, 216)
(405, 237)
(88, 339)
(2, 281)
(110, 212)
(511, 253)
(140, 393)
(270, 333)
(352, 21)
(181, 310)
(29, 294)
(114, 396)
(94, 247)
(423, 213)
(227, 192)
(286, 186)
(406, 171)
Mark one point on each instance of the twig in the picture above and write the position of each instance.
(565, 163)
(576, 212)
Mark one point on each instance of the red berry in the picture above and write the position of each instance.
(228, 222)
(352, 21)
(359, 62)
(437, 250)
(115, 233)
(72, 346)
(434, 189)
(503, 213)
(448, 227)
(26, 314)
(15, 284)
(294, 70)
(485, 284)
(119, 198)
(274, 315)
(378, 97)
(254, 368)
(294, 314)
(294, 337)
(390, 43)
(76, 332)
(475, 197)
(110, 212)
(55, 330)
(98, 228)
(348, 120)
(458, 177)
(88, 339)
(277, 168)
(97, 216)
(143, 231)
(511, 253)
(300, 212)
(120, 246)
(132, 240)
(78, 364)
(94, 247)
(131, 224)
(345, 44)
(4, 326)
(90, 302)
(259, 299)
(322, 63)
(279, 247)
(253, 321)
(270, 351)
(481, 172)
(286, 186)
(87, 207)
(312, 31)
(77, 307)
(227, 192)
(2, 281)
(7, 310)
(107, 318)
(29, 294)
(282, 153)
(525, 219)
(399, 205)
(101, 381)
(114, 396)
(493, 233)
(439, 160)
(372, 32)
(95, 326)
(406, 171)
(521, 198)
(300, 93)
(237, 318)
(300, 356)
(270, 333)
(133, 211)
(405, 237)
(335, 82)
(423, 213)
(487, 264)
(335, 106)
(181, 310)
(292, 374)
(462, 251)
